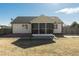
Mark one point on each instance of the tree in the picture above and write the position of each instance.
(71, 29)
(75, 25)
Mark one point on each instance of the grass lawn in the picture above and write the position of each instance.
(62, 47)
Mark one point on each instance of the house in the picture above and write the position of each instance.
(37, 25)
(4, 27)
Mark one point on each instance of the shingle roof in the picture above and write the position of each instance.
(23, 19)
(56, 19)
(29, 19)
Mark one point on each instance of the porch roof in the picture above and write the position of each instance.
(46, 19)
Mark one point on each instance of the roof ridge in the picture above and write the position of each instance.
(26, 16)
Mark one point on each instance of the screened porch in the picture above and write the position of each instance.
(42, 28)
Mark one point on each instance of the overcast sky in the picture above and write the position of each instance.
(66, 12)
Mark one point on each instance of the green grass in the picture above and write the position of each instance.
(62, 47)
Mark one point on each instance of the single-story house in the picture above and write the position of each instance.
(37, 25)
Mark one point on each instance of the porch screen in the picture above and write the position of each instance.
(35, 28)
(49, 28)
(42, 28)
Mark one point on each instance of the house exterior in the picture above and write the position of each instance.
(37, 25)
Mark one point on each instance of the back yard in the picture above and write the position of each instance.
(63, 46)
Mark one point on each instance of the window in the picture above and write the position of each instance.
(55, 26)
(25, 26)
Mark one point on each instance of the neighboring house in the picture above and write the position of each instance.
(5, 27)
(37, 25)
